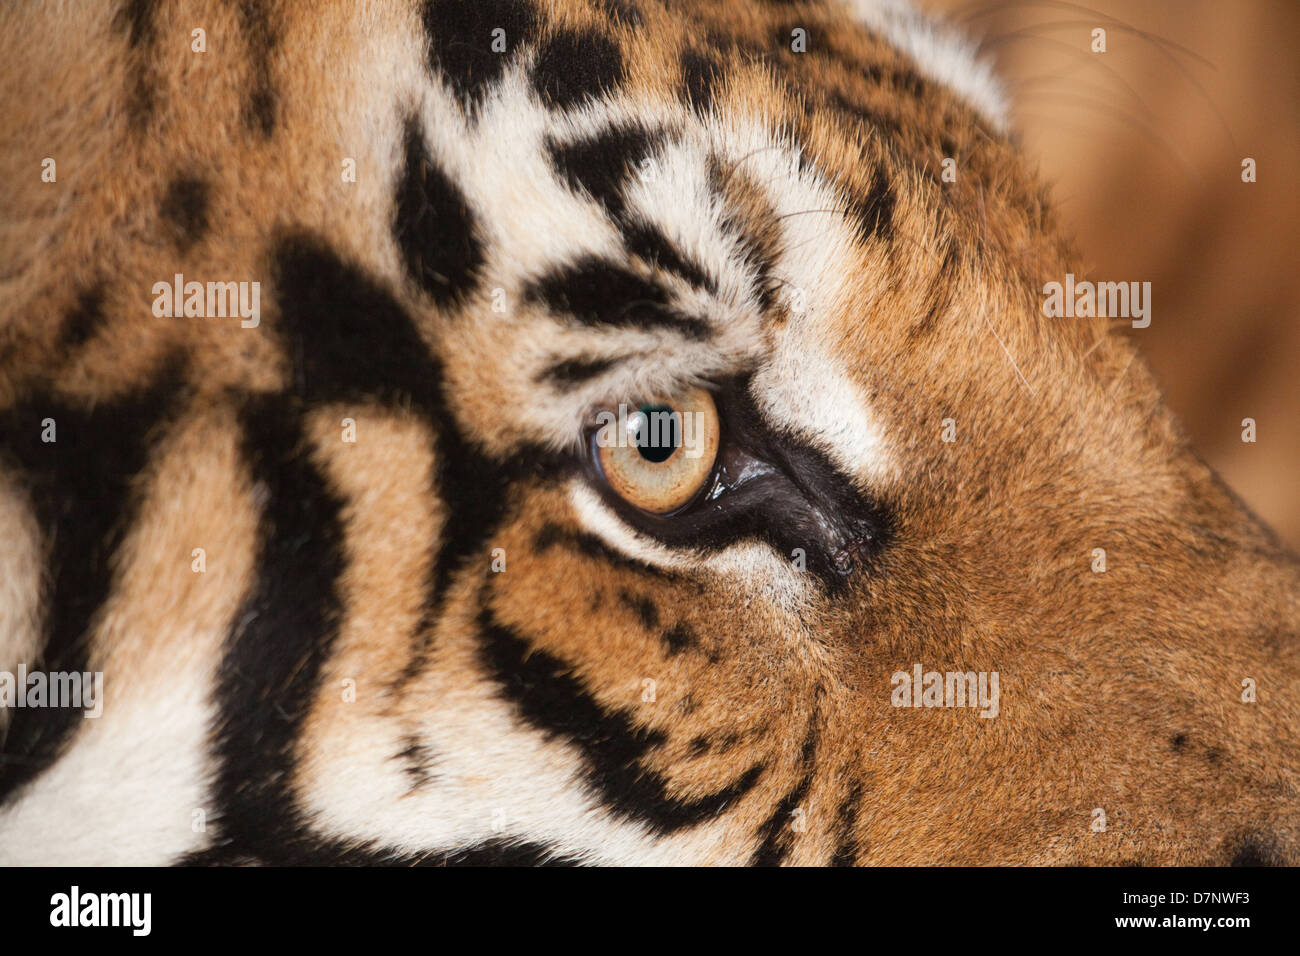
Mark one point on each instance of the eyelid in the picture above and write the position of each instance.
(735, 468)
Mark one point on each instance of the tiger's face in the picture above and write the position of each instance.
(651, 448)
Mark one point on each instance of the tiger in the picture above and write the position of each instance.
(606, 432)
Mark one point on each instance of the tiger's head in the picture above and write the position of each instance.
(652, 447)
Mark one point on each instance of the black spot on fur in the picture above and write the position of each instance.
(785, 37)
(570, 372)
(700, 74)
(875, 210)
(576, 65)
(82, 497)
(1179, 742)
(261, 34)
(678, 638)
(184, 210)
(598, 292)
(547, 695)
(460, 41)
(435, 227)
(260, 109)
(907, 81)
(1257, 851)
(642, 607)
(84, 319)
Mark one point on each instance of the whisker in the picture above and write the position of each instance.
(1114, 112)
(1109, 20)
(1166, 47)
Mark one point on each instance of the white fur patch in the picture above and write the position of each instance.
(492, 778)
(20, 582)
(940, 51)
(125, 792)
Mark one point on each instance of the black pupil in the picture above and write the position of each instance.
(657, 433)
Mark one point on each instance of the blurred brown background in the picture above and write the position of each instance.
(1144, 144)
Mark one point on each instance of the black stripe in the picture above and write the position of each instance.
(417, 759)
(598, 292)
(575, 65)
(320, 852)
(136, 17)
(270, 667)
(848, 848)
(700, 74)
(351, 341)
(81, 493)
(775, 844)
(875, 209)
(348, 338)
(602, 163)
(762, 264)
(647, 241)
(138, 20)
(588, 545)
(503, 853)
(758, 249)
(262, 35)
(575, 371)
(943, 288)
(547, 695)
(434, 227)
(460, 42)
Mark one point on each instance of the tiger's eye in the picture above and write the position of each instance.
(659, 456)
